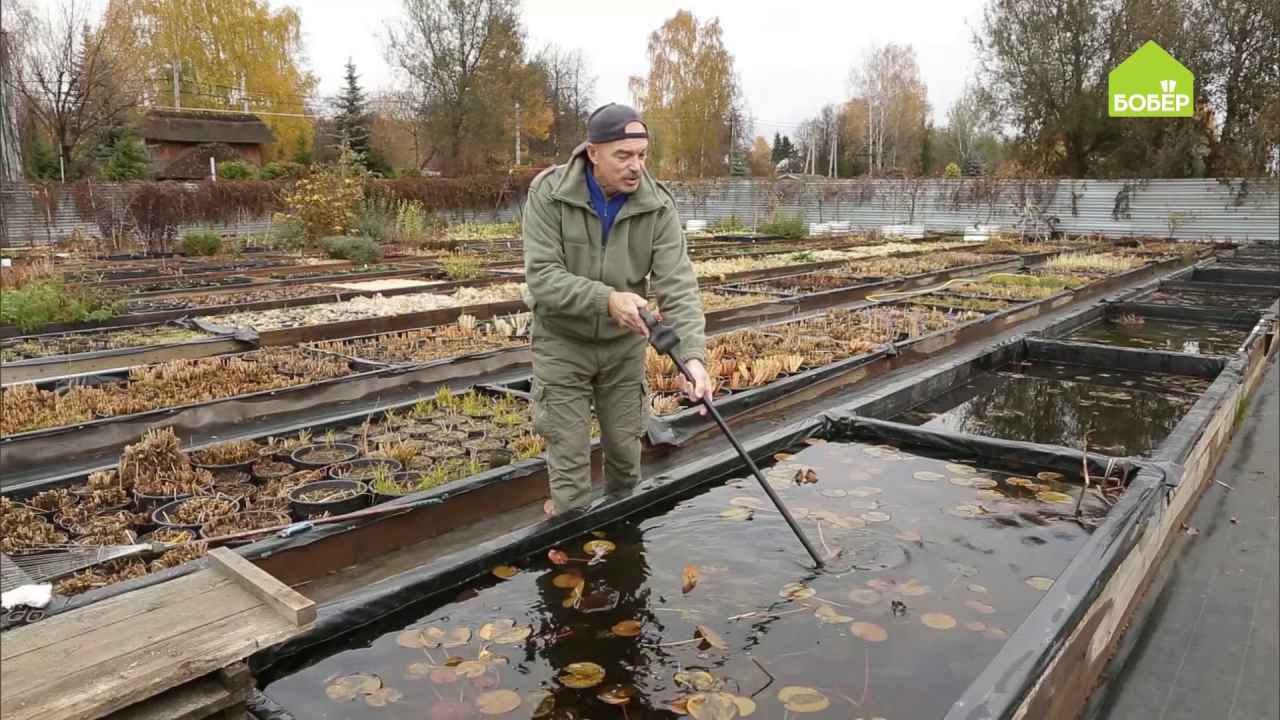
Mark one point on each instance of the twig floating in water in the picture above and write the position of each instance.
(766, 672)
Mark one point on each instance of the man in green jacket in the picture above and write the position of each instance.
(599, 233)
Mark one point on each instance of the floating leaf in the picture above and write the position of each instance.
(803, 699)
(699, 680)
(599, 548)
(445, 676)
(909, 536)
(960, 469)
(965, 511)
(746, 706)
(581, 675)
(712, 706)
(938, 621)
(420, 669)
(627, 628)
(1039, 583)
(864, 504)
(827, 614)
(783, 457)
(497, 627)
(1017, 481)
(913, 588)
(688, 578)
(712, 638)
(1048, 476)
(434, 637)
(869, 632)
(864, 596)
(975, 626)
(737, 513)
(575, 595)
(848, 522)
(557, 557)
(975, 588)
(880, 585)
(962, 570)
(1056, 498)
(497, 702)
(875, 516)
(1035, 487)
(383, 697)
(980, 607)
(984, 483)
(347, 687)
(995, 632)
(515, 635)
(599, 534)
(505, 572)
(796, 591)
(566, 580)
(961, 480)
(865, 491)
(471, 668)
(746, 501)
(616, 695)
(927, 475)
(834, 493)
(990, 495)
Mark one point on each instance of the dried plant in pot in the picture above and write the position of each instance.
(169, 536)
(50, 502)
(153, 492)
(450, 437)
(234, 455)
(242, 522)
(190, 513)
(363, 469)
(420, 429)
(328, 498)
(268, 469)
(323, 454)
(490, 451)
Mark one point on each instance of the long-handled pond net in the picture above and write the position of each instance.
(663, 338)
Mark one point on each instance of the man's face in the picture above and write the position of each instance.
(619, 164)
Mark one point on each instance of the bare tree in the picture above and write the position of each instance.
(888, 82)
(70, 77)
(570, 91)
(1244, 61)
(969, 121)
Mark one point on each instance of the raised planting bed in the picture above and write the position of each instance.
(465, 337)
(184, 283)
(738, 268)
(859, 273)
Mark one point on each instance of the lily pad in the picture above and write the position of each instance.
(796, 591)
(737, 513)
(828, 615)
(995, 632)
(497, 702)
(864, 596)
(875, 516)
(445, 676)
(420, 670)
(383, 697)
(489, 630)
(347, 687)
(505, 572)
(870, 632)
(975, 626)
(980, 607)
(965, 511)
(984, 483)
(746, 501)
(1017, 481)
(865, 491)
(616, 695)
(746, 706)
(1056, 498)
(961, 480)
(566, 580)
(938, 621)
(976, 588)
(1049, 476)
(581, 675)
(599, 547)
(803, 699)
(627, 628)
(471, 668)
(557, 557)
(909, 536)
(712, 638)
(927, 475)
(864, 504)
(1039, 583)
(697, 680)
(712, 706)
(435, 637)
(962, 570)
(834, 493)
(913, 588)
(960, 469)
(994, 495)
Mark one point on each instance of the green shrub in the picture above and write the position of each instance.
(361, 250)
(791, 228)
(52, 301)
(236, 170)
(200, 242)
(724, 226)
(124, 160)
(952, 170)
(287, 233)
(277, 169)
(461, 266)
(377, 218)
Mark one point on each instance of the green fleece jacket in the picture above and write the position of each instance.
(570, 272)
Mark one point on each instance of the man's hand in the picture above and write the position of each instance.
(700, 387)
(624, 308)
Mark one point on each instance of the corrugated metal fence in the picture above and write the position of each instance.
(1239, 209)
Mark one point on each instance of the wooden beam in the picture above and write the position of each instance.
(290, 604)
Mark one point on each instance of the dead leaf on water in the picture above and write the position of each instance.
(909, 536)
(975, 626)
(616, 695)
(869, 632)
(1056, 498)
(347, 687)
(980, 607)
(864, 596)
(627, 628)
(927, 475)
(746, 501)
(566, 580)
(505, 572)
(581, 675)
(976, 588)
(828, 615)
(961, 480)
(383, 697)
(688, 578)
(960, 468)
(738, 514)
(712, 706)
(803, 699)
(711, 637)
(865, 491)
(599, 547)
(1039, 583)
(875, 516)
(938, 621)
(796, 591)
(497, 702)
(1049, 477)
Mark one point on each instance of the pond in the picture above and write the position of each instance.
(1152, 334)
(1209, 298)
(706, 604)
(1127, 413)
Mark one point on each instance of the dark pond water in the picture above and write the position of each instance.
(1127, 413)
(932, 576)
(1151, 334)
(1209, 298)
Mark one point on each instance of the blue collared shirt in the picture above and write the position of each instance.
(607, 209)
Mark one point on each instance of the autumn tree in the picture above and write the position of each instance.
(569, 88)
(1244, 74)
(970, 136)
(229, 55)
(889, 107)
(761, 158)
(397, 131)
(466, 60)
(72, 79)
(690, 98)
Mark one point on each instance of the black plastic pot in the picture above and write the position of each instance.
(262, 518)
(230, 467)
(362, 470)
(412, 476)
(342, 451)
(161, 516)
(303, 509)
(260, 474)
(149, 503)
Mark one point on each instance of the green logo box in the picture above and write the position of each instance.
(1151, 83)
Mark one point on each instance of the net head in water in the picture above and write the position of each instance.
(706, 606)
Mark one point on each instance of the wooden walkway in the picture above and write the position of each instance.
(121, 652)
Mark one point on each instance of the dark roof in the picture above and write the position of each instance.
(205, 127)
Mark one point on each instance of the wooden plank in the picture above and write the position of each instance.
(73, 625)
(103, 647)
(194, 701)
(97, 691)
(290, 604)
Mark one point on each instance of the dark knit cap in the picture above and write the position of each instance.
(609, 123)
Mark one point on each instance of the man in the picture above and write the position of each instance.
(599, 232)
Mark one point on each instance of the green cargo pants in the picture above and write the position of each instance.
(569, 376)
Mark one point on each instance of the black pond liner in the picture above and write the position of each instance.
(25, 457)
(300, 456)
(1235, 276)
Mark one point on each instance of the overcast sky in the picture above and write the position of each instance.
(792, 57)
